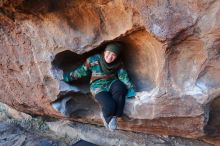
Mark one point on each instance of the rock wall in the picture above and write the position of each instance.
(172, 54)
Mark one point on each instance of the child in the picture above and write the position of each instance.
(109, 82)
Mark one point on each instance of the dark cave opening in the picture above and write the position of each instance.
(69, 102)
(67, 61)
(212, 128)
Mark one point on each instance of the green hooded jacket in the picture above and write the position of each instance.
(99, 81)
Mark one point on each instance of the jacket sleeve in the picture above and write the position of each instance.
(80, 72)
(123, 76)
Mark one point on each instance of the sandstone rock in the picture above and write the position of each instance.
(172, 55)
(12, 134)
(7, 113)
(101, 136)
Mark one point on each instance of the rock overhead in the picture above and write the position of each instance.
(172, 54)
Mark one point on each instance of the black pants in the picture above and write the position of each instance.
(112, 102)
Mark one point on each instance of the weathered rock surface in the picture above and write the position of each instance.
(7, 112)
(12, 134)
(102, 137)
(20, 129)
(172, 54)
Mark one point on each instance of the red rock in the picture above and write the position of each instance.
(172, 55)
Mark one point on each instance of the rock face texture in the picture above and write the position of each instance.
(20, 129)
(172, 54)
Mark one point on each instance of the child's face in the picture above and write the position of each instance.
(109, 56)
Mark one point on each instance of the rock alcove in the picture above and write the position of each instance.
(172, 55)
(143, 60)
